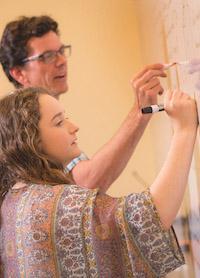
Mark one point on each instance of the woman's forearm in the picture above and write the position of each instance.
(169, 187)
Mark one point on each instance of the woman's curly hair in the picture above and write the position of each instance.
(21, 156)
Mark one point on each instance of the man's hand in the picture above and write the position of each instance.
(146, 85)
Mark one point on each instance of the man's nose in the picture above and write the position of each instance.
(60, 59)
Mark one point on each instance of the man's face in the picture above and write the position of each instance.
(52, 76)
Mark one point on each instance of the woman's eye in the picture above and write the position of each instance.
(59, 123)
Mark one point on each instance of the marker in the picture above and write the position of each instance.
(153, 109)
(180, 63)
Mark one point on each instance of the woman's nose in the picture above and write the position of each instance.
(73, 128)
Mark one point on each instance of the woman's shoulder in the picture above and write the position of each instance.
(63, 190)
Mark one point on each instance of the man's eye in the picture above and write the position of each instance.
(62, 50)
(47, 55)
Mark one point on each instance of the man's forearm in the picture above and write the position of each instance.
(108, 163)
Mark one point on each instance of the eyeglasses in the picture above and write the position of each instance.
(50, 56)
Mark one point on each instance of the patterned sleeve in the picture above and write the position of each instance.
(157, 247)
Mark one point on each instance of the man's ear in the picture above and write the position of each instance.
(19, 75)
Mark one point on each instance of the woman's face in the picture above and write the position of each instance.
(58, 134)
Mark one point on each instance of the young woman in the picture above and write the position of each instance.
(52, 228)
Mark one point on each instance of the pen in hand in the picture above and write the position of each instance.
(160, 107)
(153, 108)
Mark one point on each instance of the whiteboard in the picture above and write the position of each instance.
(170, 32)
(181, 32)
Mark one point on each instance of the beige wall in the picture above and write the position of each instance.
(105, 55)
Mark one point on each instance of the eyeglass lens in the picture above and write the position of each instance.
(51, 56)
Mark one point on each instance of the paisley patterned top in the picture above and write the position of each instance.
(68, 231)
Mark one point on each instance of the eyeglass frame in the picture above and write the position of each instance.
(41, 57)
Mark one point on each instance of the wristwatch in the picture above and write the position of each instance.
(75, 161)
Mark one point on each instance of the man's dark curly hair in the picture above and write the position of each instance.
(13, 45)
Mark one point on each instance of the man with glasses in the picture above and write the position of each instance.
(50, 56)
(32, 55)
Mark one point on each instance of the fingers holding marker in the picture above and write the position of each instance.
(149, 97)
(158, 107)
(147, 84)
(149, 87)
(175, 101)
(182, 109)
(159, 67)
(152, 87)
(147, 78)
